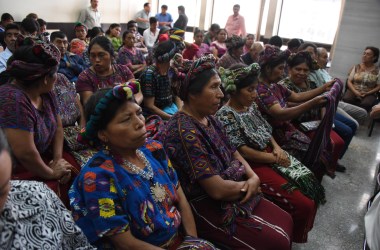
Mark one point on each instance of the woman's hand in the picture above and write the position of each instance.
(282, 158)
(320, 100)
(327, 86)
(61, 170)
(250, 188)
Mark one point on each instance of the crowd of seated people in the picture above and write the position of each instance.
(230, 165)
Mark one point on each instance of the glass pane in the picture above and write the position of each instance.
(249, 9)
(311, 20)
(192, 10)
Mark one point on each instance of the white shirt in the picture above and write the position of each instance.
(4, 56)
(150, 37)
(90, 17)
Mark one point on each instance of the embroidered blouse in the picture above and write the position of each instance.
(106, 199)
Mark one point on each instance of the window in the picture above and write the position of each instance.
(311, 20)
(249, 9)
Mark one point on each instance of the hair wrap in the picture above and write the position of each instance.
(231, 78)
(272, 53)
(122, 91)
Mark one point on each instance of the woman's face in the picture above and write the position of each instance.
(198, 38)
(249, 41)
(368, 56)
(126, 131)
(5, 176)
(299, 73)
(222, 36)
(115, 32)
(100, 58)
(208, 101)
(247, 95)
(130, 40)
(80, 33)
(311, 52)
(277, 73)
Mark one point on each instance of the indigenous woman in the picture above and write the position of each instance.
(218, 47)
(31, 214)
(103, 73)
(113, 33)
(273, 103)
(299, 66)
(249, 40)
(130, 56)
(128, 195)
(223, 190)
(204, 48)
(364, 80)
(283, 178)
(155, 83)
(233, 55)
(30, 119)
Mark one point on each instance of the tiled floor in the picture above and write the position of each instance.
(339, 224)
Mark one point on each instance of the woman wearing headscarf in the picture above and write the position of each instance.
(284, 180)
(30, 116)
(223, 190)
(235, 46)
(273, 101)
(155, 83)
(128, 196)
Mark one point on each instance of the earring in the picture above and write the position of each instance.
(106, 149)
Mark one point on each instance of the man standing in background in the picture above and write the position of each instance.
(164, 18)
(181, 22)
(142, 18)
(91, 15)
(235, 23)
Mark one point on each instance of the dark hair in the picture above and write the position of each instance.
(299, 58)
(109, 112)
(3, 142)
(276, 41)
(103, 42)
(305, 45)
(200, 80)
(57, 34)
(41, 22)
(375, 52)
(243, 81)
(146, 4)
(237, 5)
(131, 23)
(162, 48)
(6, 16)
(112, 26)
(126, 33)
(217, 33)
(214, 27)
(94, 32)
(294, 43)
(181, 8)
(152, 20)
(32, 15)
(197, 31)
(164, 6)
(11, 26)
(29, 25)
(271, 64)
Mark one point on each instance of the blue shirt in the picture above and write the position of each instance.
(163, 18)
(106, 199)
(4, 56)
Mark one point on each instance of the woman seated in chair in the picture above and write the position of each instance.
(31, 214)
(29, 117)
(284, 180)
(223, 190)
(363, 82)
(128, 195)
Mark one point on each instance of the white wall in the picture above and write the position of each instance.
(360, 27)
(67, 11)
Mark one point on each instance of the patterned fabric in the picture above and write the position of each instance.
(130, 57)
(77, 46)
(158, 86)
(220, 47)
(88, 80)
(364, 81)
(66, 96)
(310, 115)
(204, 49)
(106, 199)
(34, 218)
(227, 60)
(18, 112)
(251, 129)
(272, 53)
(232, 77)
(234, 42)
(284, 132)
(117, 42)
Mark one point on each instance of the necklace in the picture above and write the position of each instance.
(156, 189)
